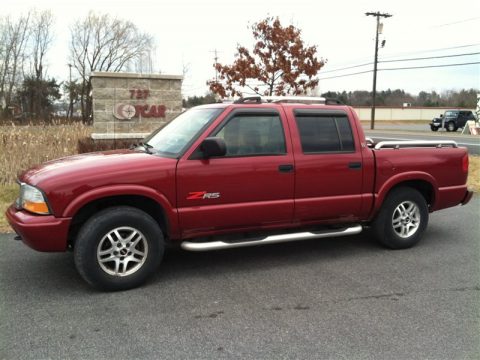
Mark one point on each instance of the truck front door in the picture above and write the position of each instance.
(251, 186)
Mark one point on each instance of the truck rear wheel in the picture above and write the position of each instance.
(118, 248)
(402, 219)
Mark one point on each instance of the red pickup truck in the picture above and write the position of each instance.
(230, 175)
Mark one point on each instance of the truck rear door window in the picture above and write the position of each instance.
(324, 133)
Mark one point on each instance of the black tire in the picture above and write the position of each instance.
(434, 128)
(109, 247)
(451, 126)
(400, 230)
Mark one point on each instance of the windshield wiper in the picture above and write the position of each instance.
(146, 146)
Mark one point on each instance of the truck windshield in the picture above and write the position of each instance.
(450, 113)
(174, 137)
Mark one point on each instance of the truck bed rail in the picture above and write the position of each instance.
(414, 143)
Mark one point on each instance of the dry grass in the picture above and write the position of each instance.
(474, 173)
(8, 194)
(22, 147)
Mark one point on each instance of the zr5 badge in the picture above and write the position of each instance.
(199, 195)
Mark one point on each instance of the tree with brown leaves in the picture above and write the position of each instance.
(279, 64)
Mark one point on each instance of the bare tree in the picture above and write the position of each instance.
(37, 91)
(103, 43)
(42, 36)
(13, 41)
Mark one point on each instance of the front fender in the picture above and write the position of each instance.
(127, 189)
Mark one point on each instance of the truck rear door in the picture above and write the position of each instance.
(328, 165)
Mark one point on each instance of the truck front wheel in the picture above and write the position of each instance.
(118, 248)
(402, 219)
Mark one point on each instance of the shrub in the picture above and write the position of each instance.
(87, 144)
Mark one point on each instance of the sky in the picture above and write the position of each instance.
(187, 33)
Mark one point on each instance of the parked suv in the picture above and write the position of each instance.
(452, 120)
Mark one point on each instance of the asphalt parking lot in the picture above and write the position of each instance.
(342, 298)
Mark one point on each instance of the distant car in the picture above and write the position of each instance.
(452, 120)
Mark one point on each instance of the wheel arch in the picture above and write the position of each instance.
(424, 183)
(88, 204)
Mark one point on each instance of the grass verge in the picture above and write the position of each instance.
(8, 194)
(474, 173)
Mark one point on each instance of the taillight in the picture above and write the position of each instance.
(465, 163)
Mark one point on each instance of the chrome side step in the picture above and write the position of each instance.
(219, 245)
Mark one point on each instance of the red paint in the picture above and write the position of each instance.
(465, 163)
(146, 110)
(224, 195)
(150, 111)
(196, 195)
(42, 233)
(139, 94)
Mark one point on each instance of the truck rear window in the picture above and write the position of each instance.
(321, 133)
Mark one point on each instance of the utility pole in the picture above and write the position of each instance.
(216, 62)
(378, 15)
(70, 106)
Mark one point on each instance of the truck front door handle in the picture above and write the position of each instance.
(355, 165)
(285, 168)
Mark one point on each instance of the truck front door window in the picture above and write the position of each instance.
(248, 135)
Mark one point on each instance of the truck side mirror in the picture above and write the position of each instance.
(213, 146)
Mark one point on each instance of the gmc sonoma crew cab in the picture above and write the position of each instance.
(229, 175)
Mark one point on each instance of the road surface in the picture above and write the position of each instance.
(338, 298)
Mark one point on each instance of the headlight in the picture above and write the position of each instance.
(32, 199)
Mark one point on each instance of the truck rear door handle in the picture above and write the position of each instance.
(355, 165)
(285, 168)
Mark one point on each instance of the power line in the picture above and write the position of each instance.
(401, 68)
(457, 22)
(348, 67)
(339, 76)
(430, 57)
(432, 50)
(430, 66)
(399, 60)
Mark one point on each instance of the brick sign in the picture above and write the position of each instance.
(132, 105)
